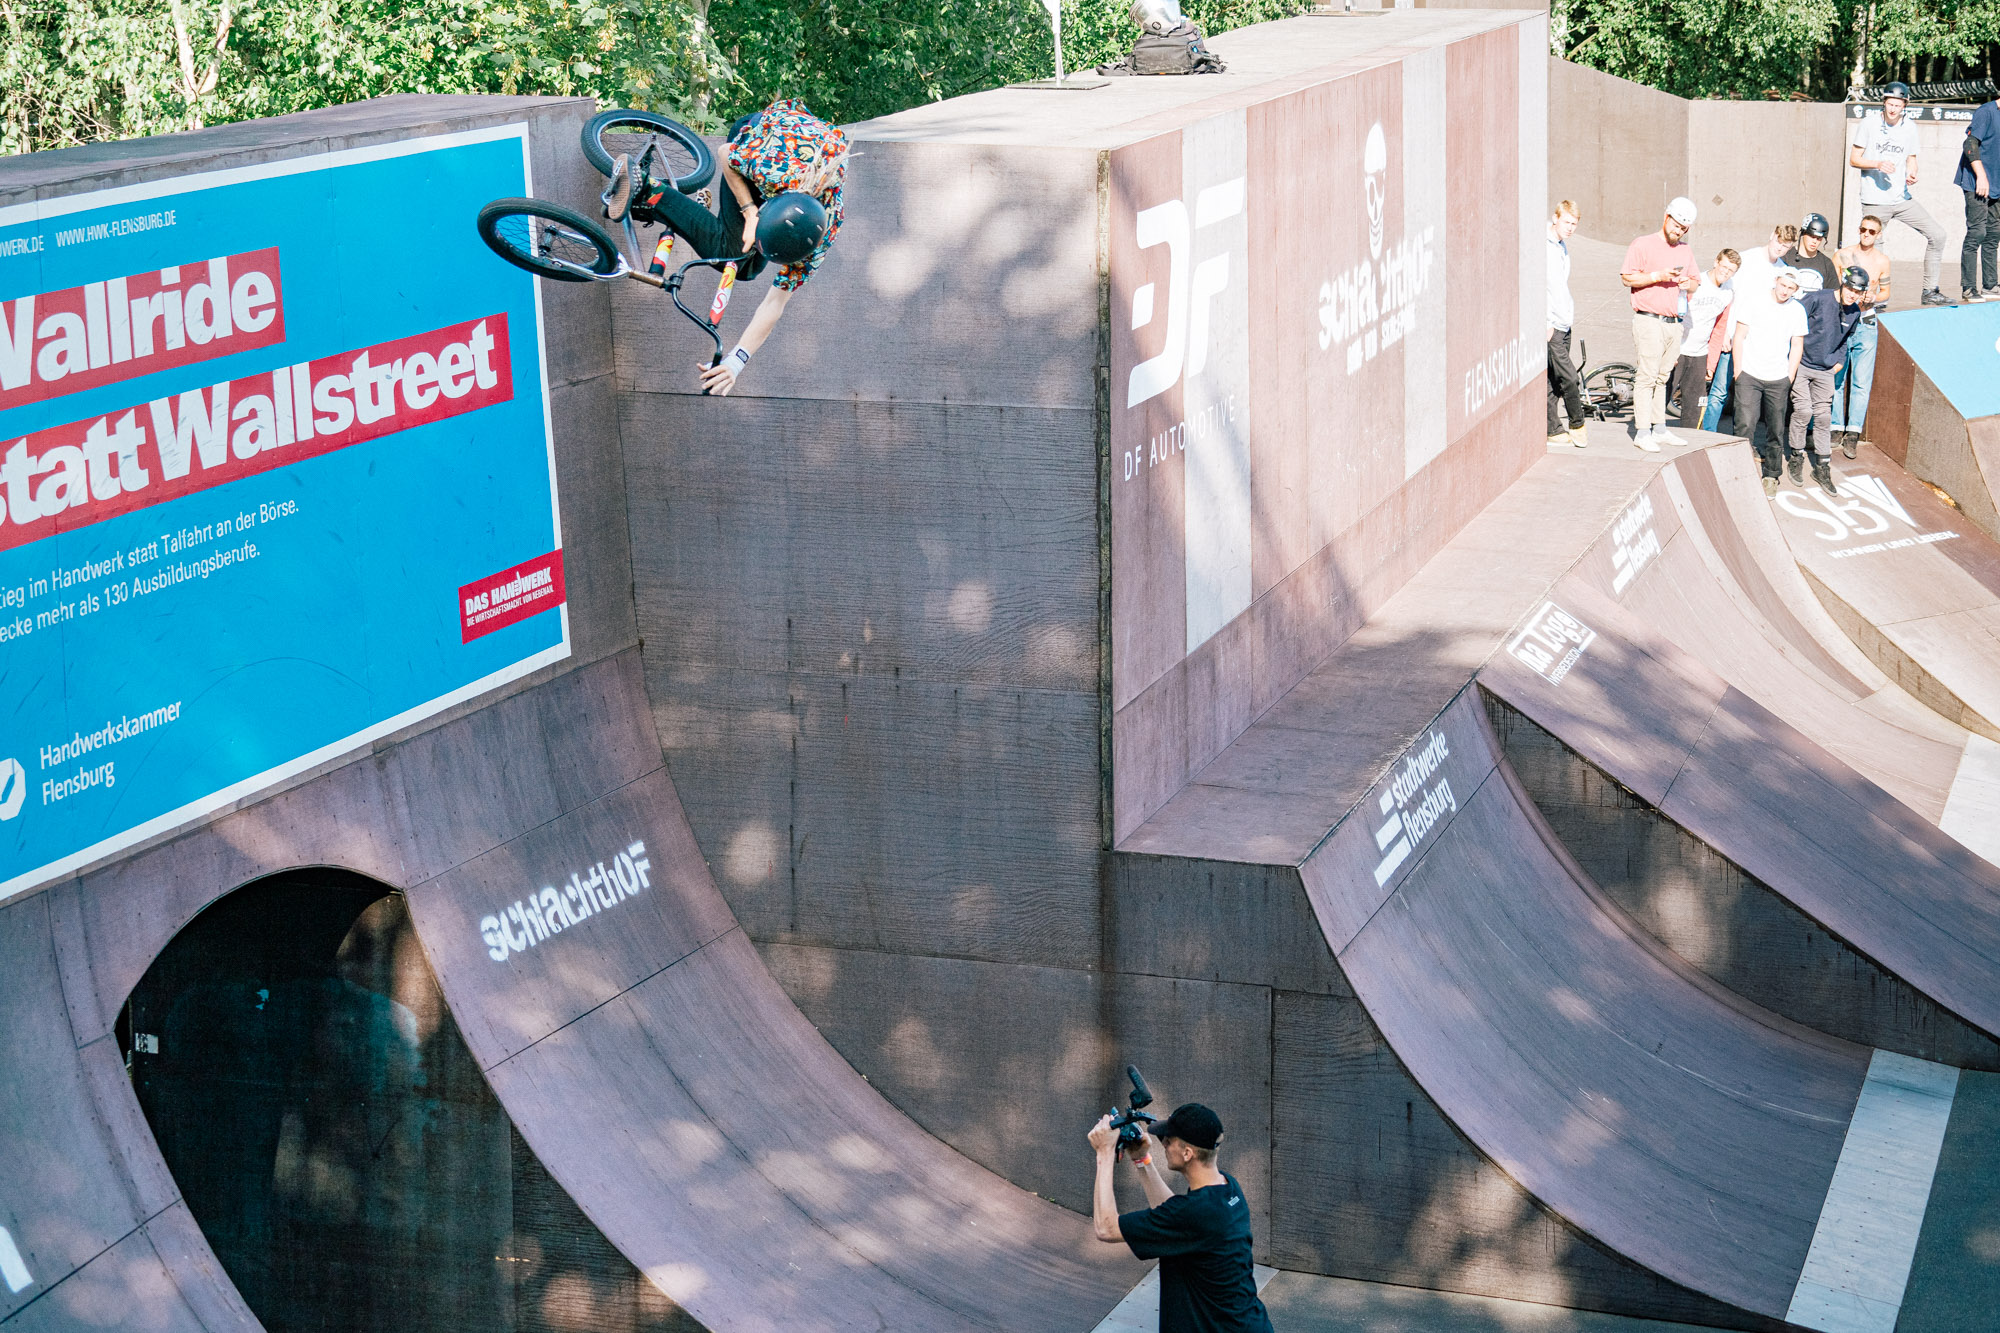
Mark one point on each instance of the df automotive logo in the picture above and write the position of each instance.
(13, 788)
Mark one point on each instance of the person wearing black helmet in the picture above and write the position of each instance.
(1883, 148)
(1830, 320)
(1202, 1238)
(783, 173)
(1856, 379)
(1979, 177)
(1809, 252)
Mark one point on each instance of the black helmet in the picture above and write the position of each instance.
(1814, 225)
(790, 226)
(1896, 89)
(1855, 279)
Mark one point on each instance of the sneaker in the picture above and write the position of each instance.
(1795, 466)
(1936, 297)
(1966, 296)
(1824, 476)
(1558, 438)
(1664, 436)
(1646, 441)
(1770, 487)
(1579, 437)
(1990, 294)
(1849, 441)
(618, 198)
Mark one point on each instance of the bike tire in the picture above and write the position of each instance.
(507, 226)
(1607, 389)
(689, 159)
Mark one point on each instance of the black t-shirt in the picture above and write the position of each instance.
(1822, 263)
(1202, 1240)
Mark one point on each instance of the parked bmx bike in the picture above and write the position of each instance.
(1606, 389)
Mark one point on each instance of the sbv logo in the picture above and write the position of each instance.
(1190, 288)
(1863, 509)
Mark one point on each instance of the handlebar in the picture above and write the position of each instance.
(708, 322)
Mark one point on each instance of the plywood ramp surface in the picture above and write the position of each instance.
(1682, 1126)
(706, 1128)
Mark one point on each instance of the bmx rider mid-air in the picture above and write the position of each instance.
(783, 174)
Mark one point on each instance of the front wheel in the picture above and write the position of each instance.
(678, 152)
(548, 240)
(1607, 391)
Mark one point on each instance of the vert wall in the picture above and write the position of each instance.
(1621, 150)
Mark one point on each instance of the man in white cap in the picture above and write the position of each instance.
(1659, 267)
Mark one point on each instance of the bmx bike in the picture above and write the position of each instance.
(1606, 389)
(561, 244)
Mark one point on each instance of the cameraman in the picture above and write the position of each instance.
(1201, 1238)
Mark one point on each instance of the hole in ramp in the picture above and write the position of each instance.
(338, 1143)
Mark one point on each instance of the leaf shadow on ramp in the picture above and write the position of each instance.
(655, 1067)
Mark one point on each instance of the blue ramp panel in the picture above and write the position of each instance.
(1959, 349)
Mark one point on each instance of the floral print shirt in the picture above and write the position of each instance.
(778, 151)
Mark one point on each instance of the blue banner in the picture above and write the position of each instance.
(276, 478)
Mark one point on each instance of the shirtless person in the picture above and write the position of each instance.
(1856, 373)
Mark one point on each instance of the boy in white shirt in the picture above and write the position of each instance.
(1770, 339)
(1707, 326)
(1883, 148)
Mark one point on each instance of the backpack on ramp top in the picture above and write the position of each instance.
(1181, 51)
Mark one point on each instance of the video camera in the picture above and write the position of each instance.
(1134, 1121)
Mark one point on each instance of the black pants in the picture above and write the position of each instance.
(1982, 242)
(1766, 402)
(712, 237)
(1693, 372)
(1564, 383)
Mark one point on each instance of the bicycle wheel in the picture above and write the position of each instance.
(548, 240)
(1607, 391)
(677, 150)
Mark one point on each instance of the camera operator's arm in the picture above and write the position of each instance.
(1103, 1199)
(1157, 1189)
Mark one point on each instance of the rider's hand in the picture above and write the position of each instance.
(1103, 1137)
(718, 380)
(749, 229)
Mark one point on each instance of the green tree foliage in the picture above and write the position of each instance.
(1760, 48)
(74, 71)
(853, 59)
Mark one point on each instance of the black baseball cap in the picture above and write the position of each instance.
(1192, 1124)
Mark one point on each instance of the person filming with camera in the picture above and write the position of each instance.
(1201, 1238)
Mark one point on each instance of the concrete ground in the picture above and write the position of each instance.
(1302, 1303)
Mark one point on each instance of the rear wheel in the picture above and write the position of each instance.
(1607, 391)
(548, 240)
(678, 152)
